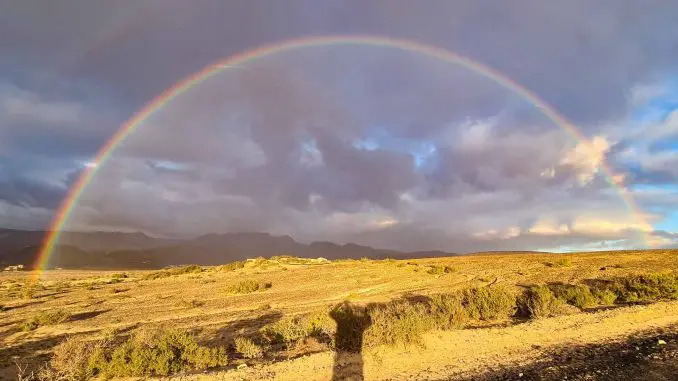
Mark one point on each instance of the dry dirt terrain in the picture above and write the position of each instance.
(621, 341)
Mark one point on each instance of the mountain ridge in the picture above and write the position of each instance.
(113, 250)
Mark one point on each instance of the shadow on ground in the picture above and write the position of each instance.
(87, 315)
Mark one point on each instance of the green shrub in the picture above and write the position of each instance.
(579, 296)
(539, 302)
(448, 311)
(287, 331)
(247, 348)
(605, 297)
(148, 353)
(489, 303)
(645, 288)
(45, 318)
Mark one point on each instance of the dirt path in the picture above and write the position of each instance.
(501, 353)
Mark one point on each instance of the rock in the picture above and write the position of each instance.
(661, 342)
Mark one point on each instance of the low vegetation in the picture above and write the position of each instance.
(440, 270)
(248, 348)
(147, 353)
(254, 328)
(45, 318)
(191, 269)
(562, 262)
(232, 266)
(247, 287)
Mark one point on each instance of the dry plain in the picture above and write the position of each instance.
(100, 303)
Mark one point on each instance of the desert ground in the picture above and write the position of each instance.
(605, 341)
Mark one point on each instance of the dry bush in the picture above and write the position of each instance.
(147, 353)
(193, 303)
(562, 262)
(45, 318)
(448, 311)
(247, 348)
(232, 266)
(489, 303)
(290, 330)
(440, 270)
(190, 269)
(398, 322)
(247, 287)
(30, 290)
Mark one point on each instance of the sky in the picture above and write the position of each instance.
(347, 143)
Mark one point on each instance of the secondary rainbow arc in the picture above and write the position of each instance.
(181, 87)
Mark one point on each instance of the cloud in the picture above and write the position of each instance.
(347, 143)
(587, 158)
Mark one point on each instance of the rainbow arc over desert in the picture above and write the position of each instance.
(164, 99)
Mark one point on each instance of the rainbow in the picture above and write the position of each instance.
(181, 87)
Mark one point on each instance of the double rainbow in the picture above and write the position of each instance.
(179, 88)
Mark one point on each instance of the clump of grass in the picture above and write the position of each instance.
(30, 290)
(396, 323)
(243, 287)
(539, 302)
(289, 330)
(147, 353)
(45, 318)
(190, 269)
(248, 287)
(440, 270)
(120, 276)
(489, 303)
(579, 296)
(248, 348)
(193, 303)
(365, 259)
(232, 266)
(562, 262)
(61, 286)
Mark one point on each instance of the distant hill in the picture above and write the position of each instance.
(110, 250)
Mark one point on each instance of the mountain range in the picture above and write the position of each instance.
(111, 250)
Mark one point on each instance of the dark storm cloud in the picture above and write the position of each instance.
(580, 56)
(19, 190)
(275, 144)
